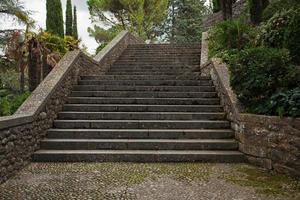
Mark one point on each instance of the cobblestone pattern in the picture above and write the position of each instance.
(268, 141)
(238, 8)
(152, 181)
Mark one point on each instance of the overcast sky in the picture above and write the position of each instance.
(38, 8)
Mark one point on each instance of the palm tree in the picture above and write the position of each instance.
(16, 10)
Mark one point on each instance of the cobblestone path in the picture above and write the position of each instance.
(162, 181)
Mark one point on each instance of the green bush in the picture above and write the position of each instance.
(279, 6)
(285, 103)
(229, 35)
(9, 79)
(282, 31)
(9, 103)
(259, 73)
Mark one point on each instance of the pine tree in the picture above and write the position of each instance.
(54, 21)
(75, 30)
(69, 18)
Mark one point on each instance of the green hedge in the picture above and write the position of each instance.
(259, 74)
(282, 31)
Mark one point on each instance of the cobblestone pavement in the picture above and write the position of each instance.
(157, 181)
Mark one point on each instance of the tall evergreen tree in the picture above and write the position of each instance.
(75, 30)
(69, 18)
(54, 21)
(183, 23)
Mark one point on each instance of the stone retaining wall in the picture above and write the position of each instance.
(21, 133)
(238, 8)
(268, 141)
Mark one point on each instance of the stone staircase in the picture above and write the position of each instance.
(151, 106)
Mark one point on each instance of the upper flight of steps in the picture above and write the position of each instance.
(152, 105)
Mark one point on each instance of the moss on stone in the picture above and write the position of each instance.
(263, 181)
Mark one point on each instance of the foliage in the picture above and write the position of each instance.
(16, 10)
(187, 26)
(9, 103)
(259, 73)
(229, 35)
(182, 21)
(75, 30)
(69, 18)
(285, 103)
(278, 6)
(256, 10)
(139, 16)
(216, 5)
(9, 79)
(54, 21)
(57, 44)
(103, 36)
(282, 31)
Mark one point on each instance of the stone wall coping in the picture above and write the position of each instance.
(224, 77)
(111, 45)
(37, 100)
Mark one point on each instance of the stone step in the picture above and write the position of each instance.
(140, 116)
(148, 82)
(159, 57)
(138, 156)
(141, 94)
(152, 101)
(151, 66)
(144, 88)
(140, 133)
(147, 77)
(150, 73)
(141, 108)
(144, 63)
(153, 71)
(142, 124)
(139, 144)
(200, 78)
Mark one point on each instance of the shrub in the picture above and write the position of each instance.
(228, 35)
(58, 44)
(285, 103)
(259, 73)
(282, 31)
(279, 6)
(9, 79)
(9, 103)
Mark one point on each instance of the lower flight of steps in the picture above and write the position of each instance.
(152, 106)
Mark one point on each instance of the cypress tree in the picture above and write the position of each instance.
(75, 30)
(54, 21)
(69, 18)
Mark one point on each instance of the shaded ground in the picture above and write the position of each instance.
(174, 181)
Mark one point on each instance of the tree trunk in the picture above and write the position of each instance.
(33, 63)
(226, 7)
(256, 9)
